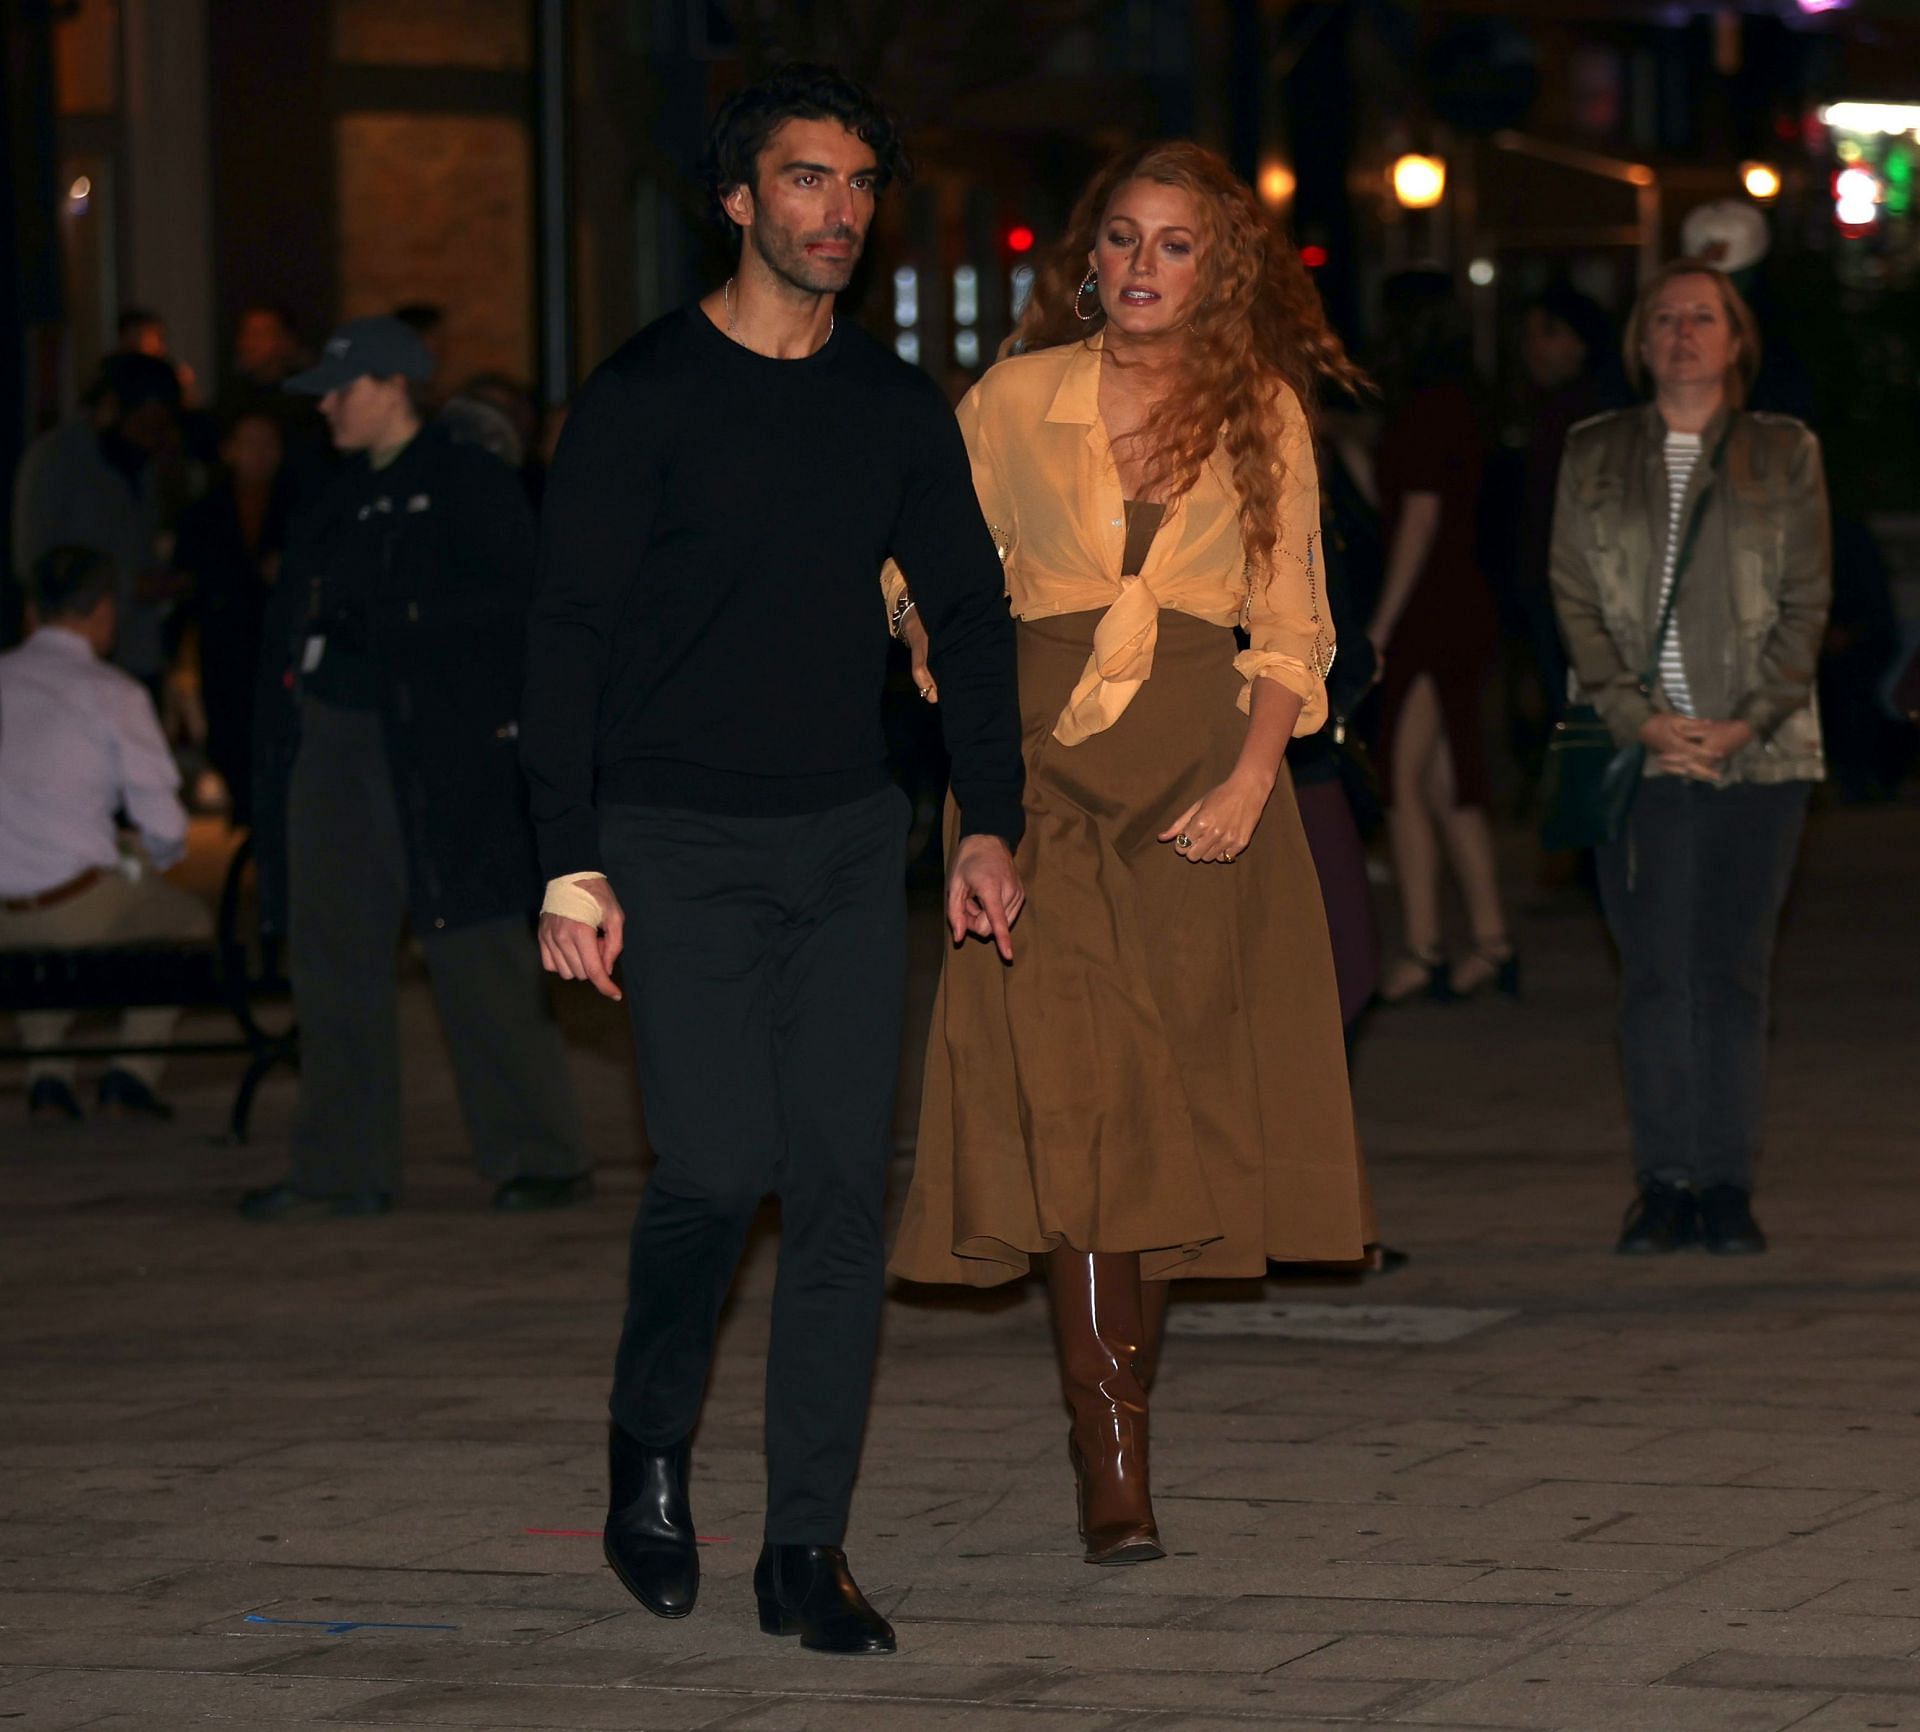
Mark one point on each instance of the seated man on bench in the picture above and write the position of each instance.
(79, 743)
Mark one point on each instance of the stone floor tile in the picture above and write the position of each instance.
(1272, 1694)
(1896, 1599)
(1575, 1707)
(1382, 1617)
(457, 1660)
(787, 1669)
(1796, 1632)
(1087, 1647)
(1755, 1671)
(1855, 1712)
(845, 1716)
(1594, 1587)
(1415, 1658)
(545, 1705)
(62, 1697)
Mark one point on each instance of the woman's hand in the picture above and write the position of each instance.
(1720, 740)
(1221, 823)
(1688, 746)
(914, 635)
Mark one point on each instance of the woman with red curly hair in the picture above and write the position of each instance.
(1156, 1086)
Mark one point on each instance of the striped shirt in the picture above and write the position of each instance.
(1683, 452)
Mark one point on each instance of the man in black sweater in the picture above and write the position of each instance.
(702, 739)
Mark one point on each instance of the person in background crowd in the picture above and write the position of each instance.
(514, 402)
(1156, 1088)
(427, 320)
(141, 331)
(1732, 235)
(79, 744)
(229, 545)
(93, 483)
(1868, 749)
(405, 595)
(1332, 779)
(266, 353)
(1572, 360)
(704, 745)
(1437, 631)
(1693, 890)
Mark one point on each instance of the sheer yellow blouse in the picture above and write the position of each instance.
(1048, 485)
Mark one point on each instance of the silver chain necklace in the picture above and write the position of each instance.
(726, 300)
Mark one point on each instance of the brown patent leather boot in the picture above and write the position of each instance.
(1100, 1330)
(1153, 1329)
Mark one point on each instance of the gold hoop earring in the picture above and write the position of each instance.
(1090, 281)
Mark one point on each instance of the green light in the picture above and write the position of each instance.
(1898, 169)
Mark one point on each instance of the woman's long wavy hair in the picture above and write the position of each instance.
(1259, 324)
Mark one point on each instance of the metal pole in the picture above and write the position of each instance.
(554, 201)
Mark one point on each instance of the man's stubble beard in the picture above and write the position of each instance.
(784, 253)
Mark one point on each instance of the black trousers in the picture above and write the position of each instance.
(347, 886)
(1693, 894)
(765, 967)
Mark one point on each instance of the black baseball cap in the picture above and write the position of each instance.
(381, 347)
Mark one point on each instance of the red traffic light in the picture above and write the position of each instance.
(1313, 257)
(1020, 239)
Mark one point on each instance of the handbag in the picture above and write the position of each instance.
(1589, 780)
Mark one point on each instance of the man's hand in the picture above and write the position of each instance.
(576, 951)
(984, 894)
(914, 635)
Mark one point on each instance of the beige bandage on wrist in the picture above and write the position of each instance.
(566, 898)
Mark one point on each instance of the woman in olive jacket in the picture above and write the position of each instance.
(1693, 890)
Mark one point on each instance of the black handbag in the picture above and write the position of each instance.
(1589, 781)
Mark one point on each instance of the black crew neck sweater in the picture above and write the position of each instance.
(709, 632)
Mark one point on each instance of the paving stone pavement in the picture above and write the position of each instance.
(348, 1475)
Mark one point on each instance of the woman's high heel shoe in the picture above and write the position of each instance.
(1485, 965)
(1415, 974)
(1098, 1318)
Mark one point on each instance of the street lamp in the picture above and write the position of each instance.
(1762, 181)
(1276, 185)
(1419, 182)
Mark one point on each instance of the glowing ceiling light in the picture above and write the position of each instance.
(1276, 185)
(1856, 198)
(1892, 118)
(1419, 182)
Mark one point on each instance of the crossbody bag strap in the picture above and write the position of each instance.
(1690, 535)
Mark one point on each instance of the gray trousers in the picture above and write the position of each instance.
(1693, 894)
(348, 900)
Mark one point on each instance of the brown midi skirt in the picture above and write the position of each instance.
(1161, 1069)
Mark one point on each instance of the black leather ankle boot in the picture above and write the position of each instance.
(649, 1540)
(808, 1591)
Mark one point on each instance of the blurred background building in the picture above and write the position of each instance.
(526, 165)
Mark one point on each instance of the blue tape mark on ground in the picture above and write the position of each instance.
(343, 1626)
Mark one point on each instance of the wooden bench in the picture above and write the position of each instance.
(193, 976)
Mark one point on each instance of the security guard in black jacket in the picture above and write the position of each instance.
(402, 606)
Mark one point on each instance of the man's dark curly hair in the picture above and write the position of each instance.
(749, 117)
